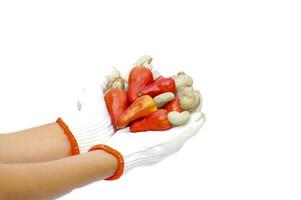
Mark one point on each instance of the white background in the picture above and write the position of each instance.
(243, 55)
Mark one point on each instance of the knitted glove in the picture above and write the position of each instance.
(147, 148)
(90, 124)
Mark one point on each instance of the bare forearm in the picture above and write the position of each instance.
(38, 144)
(49, 180)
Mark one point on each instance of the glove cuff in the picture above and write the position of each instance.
(74, 149)
(114, 153)
(83, 136)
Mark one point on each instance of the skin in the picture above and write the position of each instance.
(38, 144)
(38, 166)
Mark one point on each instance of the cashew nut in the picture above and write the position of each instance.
(190, 99)
(144, 61)
(182, 81)
(163, 98)
(111, 77)
(185, 91)
(178, 118)
(118, 83)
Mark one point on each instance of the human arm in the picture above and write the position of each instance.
(38, 144)
(90, 125)
(49, 180)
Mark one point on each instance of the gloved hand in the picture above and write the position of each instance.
(89, 123)
(147, 148)
(92, 130)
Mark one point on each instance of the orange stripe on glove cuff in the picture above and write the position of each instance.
(116, 154)
(74, 149)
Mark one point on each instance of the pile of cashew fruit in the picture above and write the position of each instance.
(147, 101)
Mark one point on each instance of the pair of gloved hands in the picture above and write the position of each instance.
(92, 126)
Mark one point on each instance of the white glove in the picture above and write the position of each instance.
(93, 126)
(90, 123)
(147, 148)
